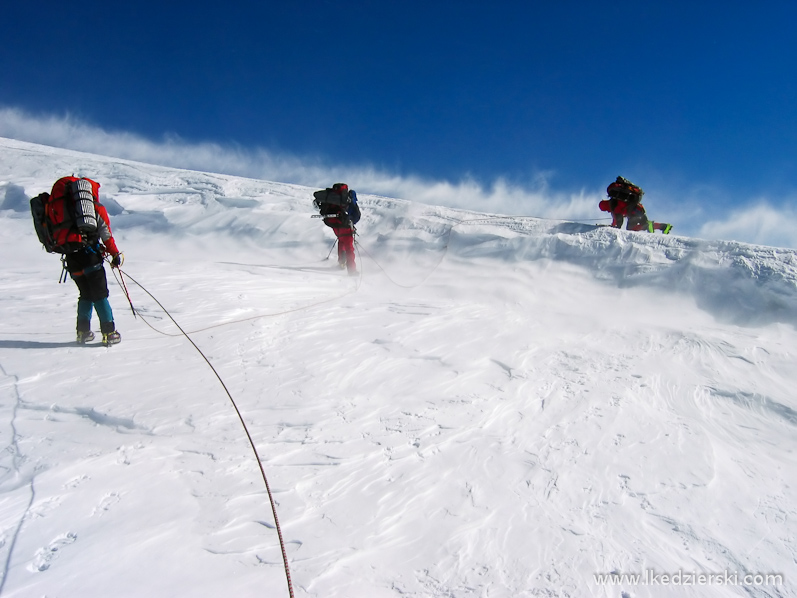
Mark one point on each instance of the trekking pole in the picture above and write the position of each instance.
(64, 271)
(335, 242)
(124, 286)
(127, 293)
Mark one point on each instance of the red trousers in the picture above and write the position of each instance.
(346, 247)
(345, 235)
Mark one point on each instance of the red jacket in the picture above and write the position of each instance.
(106, 236)
(622, 208)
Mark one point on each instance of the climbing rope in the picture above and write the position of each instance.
(243, 424)
(308, 306)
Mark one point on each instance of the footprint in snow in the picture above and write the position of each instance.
(44, 556)
(106, 503)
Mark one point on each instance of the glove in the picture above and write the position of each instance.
(117, 260)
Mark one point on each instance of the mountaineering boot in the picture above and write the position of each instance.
(84, 336)
(110, 336)
(667, 228)
(84, 333)
(650, 226)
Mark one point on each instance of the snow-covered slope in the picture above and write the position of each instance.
(496, 406)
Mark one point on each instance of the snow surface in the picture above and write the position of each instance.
(495, 407)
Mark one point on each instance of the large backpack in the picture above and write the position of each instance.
(333, 201)
(624, 190)
(67, 218)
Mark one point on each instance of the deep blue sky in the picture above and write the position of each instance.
(683, 91)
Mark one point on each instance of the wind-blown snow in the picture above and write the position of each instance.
(496, 407)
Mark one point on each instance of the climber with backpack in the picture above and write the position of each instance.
(625, 202)
(338, 207)
(70, 220)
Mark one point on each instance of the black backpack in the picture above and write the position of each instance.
(334, 200)
(624, 190)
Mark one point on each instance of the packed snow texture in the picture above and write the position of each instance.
(495, 407)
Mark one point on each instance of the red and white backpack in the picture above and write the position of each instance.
(67, 218)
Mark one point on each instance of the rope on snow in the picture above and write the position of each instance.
(246, 430)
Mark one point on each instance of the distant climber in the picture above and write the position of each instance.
(624, 202)
(71, 221)
(338, 206)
